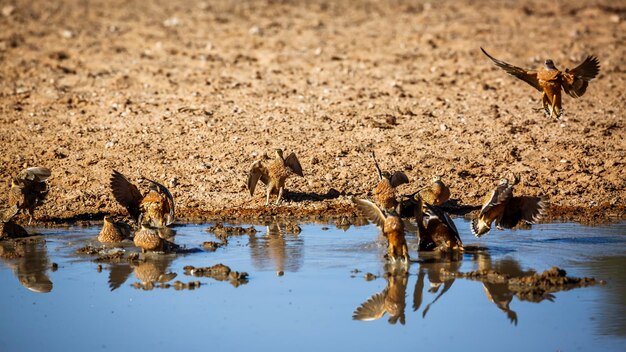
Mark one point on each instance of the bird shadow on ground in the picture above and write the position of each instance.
(311, 196)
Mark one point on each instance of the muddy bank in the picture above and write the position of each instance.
(190, 93)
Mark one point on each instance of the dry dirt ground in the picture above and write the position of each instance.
(190, 93)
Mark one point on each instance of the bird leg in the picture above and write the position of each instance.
(280, 195)
(546, 104)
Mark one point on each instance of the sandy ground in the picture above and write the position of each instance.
(190, 93)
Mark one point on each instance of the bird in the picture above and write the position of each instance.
(8, 228)
(385, 190)
(507, 210)
(549, 80)
(391, 225)
(437, 193)
(114, 231)
(156, 207)
(31, 263)
(274, 174)
(150, 272)
(435, 229)
(153, 239)
(391, 300)
(29, 189)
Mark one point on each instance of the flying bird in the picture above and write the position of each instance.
(549, 80)
(391, 225)
(29, 189)
(274, 174)
(155, 208)
(507, 210)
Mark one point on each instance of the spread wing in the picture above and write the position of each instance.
(292, 162)
(499, 195)
(8, 213)
(434, 211)
(258, 171)
(118, 275)
(169, 218)
(371, 211)
(38, 174)
(126, 194)
(529, 77)
(398, 178)
(575, 81)
(372, 309)
(524, 208)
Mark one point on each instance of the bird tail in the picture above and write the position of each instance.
(478, 228)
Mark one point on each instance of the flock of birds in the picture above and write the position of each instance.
(153, 210)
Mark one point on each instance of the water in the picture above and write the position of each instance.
(311, 306)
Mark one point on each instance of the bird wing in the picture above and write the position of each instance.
(118, 275)
(169, 218)
(126, 193)
(38, 174)
(576, 80)
(523, 208)
(499, 195)
(372, 309)
(529, 77)
(8, 213)
(293, 163)
(258, 171)
(371, 211)
(398, 178)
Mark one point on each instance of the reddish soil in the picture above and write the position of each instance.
(190, 93)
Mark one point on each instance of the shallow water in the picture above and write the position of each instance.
(311, 306)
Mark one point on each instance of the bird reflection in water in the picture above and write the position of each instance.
(150, 271)
(440, 268)
(392, 300)
(280, 249)
(28, 259)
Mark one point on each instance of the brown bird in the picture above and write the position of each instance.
(437, 193)
(29, 189)
(8, 228)
(154, 239)
(549, 80)
(435, 229)
(114, 231)
(385, 191)
(151, 272)
(391, 300)
(274, 175)
(155, 207)
(391, 225)
(507, 211)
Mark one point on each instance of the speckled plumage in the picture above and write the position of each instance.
(29, 189)
(549, 80)
(506, 210)
(114, 231)
(151, 239)
(274, 174)
(155, 208)
(436, 193)
(150, 272)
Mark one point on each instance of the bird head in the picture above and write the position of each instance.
(279, 153)
(549, 64)
(436, 178)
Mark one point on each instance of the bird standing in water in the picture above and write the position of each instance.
(549, 80)
(391, 225)
(29, 189)
(506, 210)
(114, 231)
(155, 208)
(435, 228)
(274, 174)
